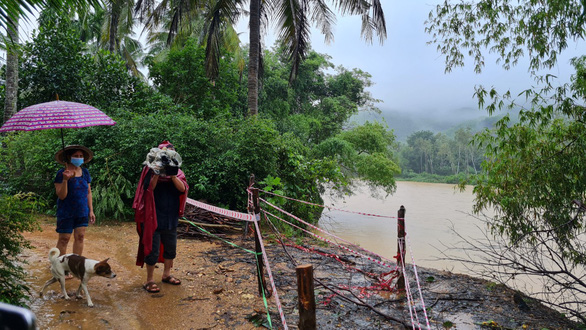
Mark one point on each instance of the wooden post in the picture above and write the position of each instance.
(306, 297)
(401, 247)
(250, 208)
(262, 284)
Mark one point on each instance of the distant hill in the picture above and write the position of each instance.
(404, 123)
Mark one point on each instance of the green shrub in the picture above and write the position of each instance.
(17, 214)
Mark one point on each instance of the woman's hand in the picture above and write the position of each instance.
(68, 174)
(92, 217)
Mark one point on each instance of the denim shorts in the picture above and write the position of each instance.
(66, 226)
(169, 240)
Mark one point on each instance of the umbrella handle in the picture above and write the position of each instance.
(62, 140)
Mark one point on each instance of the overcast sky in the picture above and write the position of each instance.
(408, 74)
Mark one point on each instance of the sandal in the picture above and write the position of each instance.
(172, 280)
(151, 287)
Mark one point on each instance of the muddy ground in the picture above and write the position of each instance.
(219, 290)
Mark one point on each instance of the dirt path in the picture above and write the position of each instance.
(219, 290)
(208, 297)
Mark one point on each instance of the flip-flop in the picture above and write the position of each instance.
(151, 287)
(172, 280)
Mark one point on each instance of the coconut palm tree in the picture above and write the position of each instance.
(294, 18)
(118, 36)
(11, 14)
(11, 84)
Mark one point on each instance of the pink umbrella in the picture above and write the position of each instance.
(56, 114)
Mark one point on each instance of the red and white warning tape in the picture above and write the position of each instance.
(266, 260)
(418, 284)
(327, 240)
(329, 207)
(228, 213)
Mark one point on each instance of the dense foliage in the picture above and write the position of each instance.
(284, 147)
(533, 173)
(438, 157)
(17, 214)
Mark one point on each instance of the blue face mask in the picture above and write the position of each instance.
(77, 161)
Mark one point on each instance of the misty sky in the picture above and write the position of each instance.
(409, 74)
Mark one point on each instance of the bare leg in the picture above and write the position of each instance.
(78, 237)
(150, 273)
(62, 243)
(168, 266)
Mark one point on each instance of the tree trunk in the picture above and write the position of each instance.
(254, 57)
(11, 68)
(114, 21)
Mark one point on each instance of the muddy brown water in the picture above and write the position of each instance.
(431, 210)
(122, 303)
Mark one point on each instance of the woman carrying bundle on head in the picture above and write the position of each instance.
(158, 203)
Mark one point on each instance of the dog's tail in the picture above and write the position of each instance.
(54, 254)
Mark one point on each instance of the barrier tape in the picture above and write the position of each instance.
(218, 237)
(329, 241)
(407, 286)
(266, 260)
(384, 284)
(256, 254)
(325, 232)
(228, 213)
(417, 281)
(329, 207)
(324, 254)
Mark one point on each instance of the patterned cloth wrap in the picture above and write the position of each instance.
(163, 161)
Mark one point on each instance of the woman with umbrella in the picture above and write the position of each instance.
(74, 206)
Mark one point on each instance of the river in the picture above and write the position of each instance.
(431, 211)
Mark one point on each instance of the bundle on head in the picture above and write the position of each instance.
(163, 161)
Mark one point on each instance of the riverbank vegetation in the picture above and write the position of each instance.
(533, 173)
(438, 158)
(300, 135)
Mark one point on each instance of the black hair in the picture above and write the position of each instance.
(68, 153)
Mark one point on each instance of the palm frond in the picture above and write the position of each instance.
(222, 16)
(373, 19)
(324, 18)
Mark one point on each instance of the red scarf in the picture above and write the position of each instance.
(145, 214)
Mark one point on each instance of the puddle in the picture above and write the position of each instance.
(120, 303)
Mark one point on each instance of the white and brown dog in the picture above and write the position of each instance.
(81, 267)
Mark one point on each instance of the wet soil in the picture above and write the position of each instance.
(219, 290)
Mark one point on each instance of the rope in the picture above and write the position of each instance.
(325, 232)
(328, 207)
(329, 241)
(407, 287)
(264, 297)
(384, 284)
(256, 254)
(417, 281)
(266, 260)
